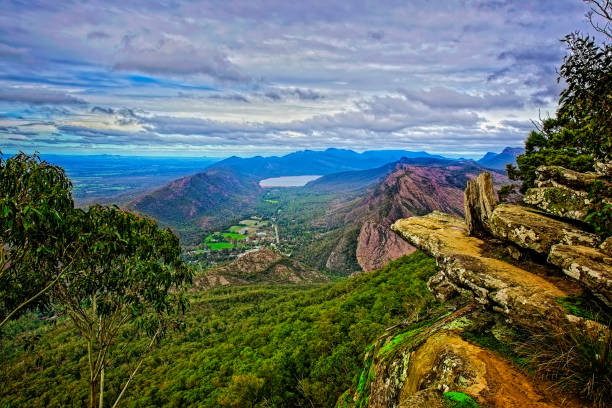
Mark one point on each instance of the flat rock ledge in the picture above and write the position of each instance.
(533, 230)
(524, 297)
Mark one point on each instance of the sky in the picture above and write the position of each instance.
(244, 77)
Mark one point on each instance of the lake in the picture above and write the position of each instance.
(288, 181)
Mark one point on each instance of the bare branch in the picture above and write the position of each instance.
(603, 10)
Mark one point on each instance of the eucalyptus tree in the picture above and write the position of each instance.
(36, 235)
(127, 276)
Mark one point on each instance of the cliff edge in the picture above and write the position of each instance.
(516, 281)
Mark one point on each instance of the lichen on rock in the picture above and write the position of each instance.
(557, 176)
(533, 230)
(559, 201)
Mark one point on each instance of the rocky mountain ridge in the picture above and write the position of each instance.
(503, 270)
(264, 265)
(409, 188)
(319, 162)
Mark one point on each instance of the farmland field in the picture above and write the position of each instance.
(225, 240)
(216, 246)
(233, 235)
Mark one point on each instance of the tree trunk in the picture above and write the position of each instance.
(92, 393)
(102, 387)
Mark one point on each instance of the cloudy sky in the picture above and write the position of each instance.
(222, 77)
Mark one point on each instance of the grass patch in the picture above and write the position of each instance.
(585, 307)
(459, 400)
(233, 235)
(217, 246)
(224, 240)
(397, 341)
(577, 357)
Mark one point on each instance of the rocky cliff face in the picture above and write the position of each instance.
(261, 266)
(376, 246)
(502, 270)
(409, 189)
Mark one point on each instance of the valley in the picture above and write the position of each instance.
(312, 204)
(337, 223)
(301, 295)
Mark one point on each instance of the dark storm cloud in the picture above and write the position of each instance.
(302, 94)
(230, 97)
(376, 35)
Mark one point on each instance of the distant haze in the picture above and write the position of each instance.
(289, 181)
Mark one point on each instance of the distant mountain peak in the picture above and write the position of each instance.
(499, 161)
(489, 155)
(514, 150)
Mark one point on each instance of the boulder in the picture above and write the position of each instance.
(446, 362)
(590, 266)
(479, 202)
(555, 176)
(604, 169)
(522, 296)
(533, 230)
(422, 365)
(559, 201)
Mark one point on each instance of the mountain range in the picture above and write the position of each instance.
(230, 188)
(310, 162)
(499, 160)
(357, 199)
(408, 187)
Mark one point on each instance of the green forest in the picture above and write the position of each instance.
(257, 346)
(97, 306)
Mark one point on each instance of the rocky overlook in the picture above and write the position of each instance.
(504, 269)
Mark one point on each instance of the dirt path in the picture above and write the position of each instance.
(490, 379)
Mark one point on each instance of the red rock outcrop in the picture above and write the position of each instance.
(377, 245)
(407, 191)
